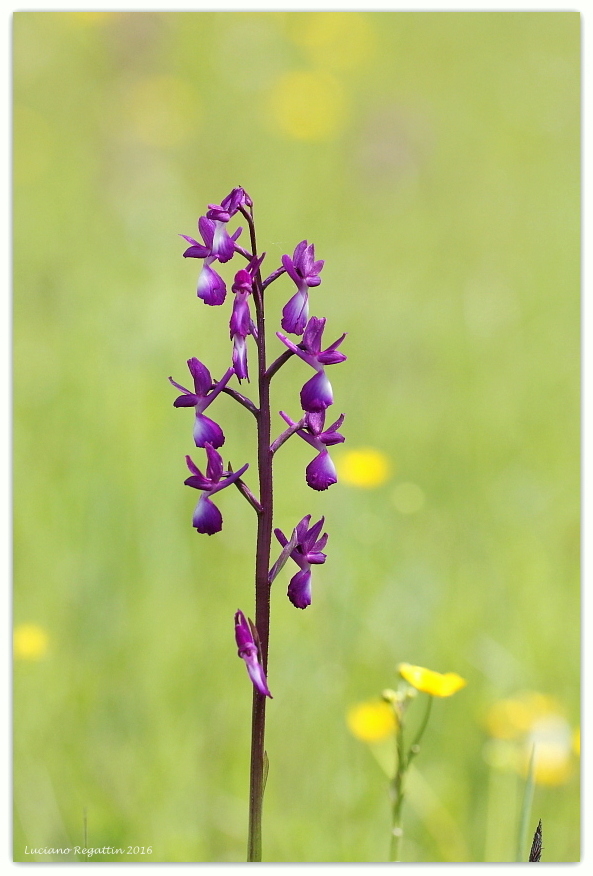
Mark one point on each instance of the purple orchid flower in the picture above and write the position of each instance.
(245, 637)
(308, 552)
(218, 246)
(241, 323)
(207, 519)
(235, 199)
(321, 472)
(304, 271)
(205, 431)
(316, 394)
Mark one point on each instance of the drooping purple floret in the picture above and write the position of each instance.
(241, 324)
(205, 431)
(321, 471)
(207, 519)
(304, 271)
(245, 635)
(219, 246)
(308, 552)
(316, 394)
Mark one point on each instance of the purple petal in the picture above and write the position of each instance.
(196, 252)
(331, 357)
(299, 252)
(240, 323)
(247, 651)
(180, 387)
(214, 467)
(255, 671)
(211, 288)
(206, 227)
(295, 312)
(240, 357)
(242, 632)
(206, 431)
(228, 479)
(242, 281)
(193, 467)
(321, 472)
(201, 376)
(188, 400)
(307, 259)
(281, 537)
(315, 421)
(233, 200)
(329, 438)
(288, 266)
(316, 394)
(198, 482)
(312, 336)
(299, 589)
(222, 245)
(313, 532)
(207, 519)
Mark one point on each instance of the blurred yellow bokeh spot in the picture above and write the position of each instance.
(513, 717)
(364, 467)
(162, 111)
(436, 684)
(371, 721)
(335, 40)
(528, 722)
(88, 18)
(408, 498)
(307, 105)
(576, 741)
(29, 642)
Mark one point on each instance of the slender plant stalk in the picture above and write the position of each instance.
(262, 565)
(525, 808)
(398, 782)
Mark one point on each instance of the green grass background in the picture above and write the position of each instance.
(445, 202)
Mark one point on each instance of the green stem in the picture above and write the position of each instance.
(415, 746)
(397, 791)
(525, 808)
(397, 784)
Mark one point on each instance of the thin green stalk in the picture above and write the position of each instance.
(397, 791)
(397, 785)
(526, 808)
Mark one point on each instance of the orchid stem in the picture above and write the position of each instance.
(262, 565)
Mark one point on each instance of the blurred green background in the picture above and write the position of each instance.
(433, 158)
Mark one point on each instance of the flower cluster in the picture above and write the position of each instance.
(218, 246)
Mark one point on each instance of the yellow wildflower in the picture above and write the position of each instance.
(433, 683)
(29, 642)
(364, 467)
(371, 721)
